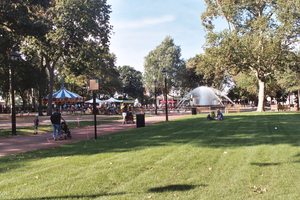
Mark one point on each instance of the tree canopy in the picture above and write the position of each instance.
(79, 31)
(131, 81)
(260, 39)
(166, 55)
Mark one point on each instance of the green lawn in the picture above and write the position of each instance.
(187, 158)
(6, 133)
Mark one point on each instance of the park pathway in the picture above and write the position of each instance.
(21, 144)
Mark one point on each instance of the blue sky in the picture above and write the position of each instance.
(140, 26)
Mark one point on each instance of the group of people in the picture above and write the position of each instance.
(55, 118)
(213, 116)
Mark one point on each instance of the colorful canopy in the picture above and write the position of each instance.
(64, 96)
(64, 93)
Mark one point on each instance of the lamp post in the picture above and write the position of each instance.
(155, 97)
(13, 56)
(164, 72)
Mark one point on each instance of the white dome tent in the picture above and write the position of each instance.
(205, 96)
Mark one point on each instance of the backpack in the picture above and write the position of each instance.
(55, 118)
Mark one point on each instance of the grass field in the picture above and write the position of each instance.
(241, 157)
(6, 133)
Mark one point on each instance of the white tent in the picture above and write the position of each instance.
(97, 101)
(112, 100)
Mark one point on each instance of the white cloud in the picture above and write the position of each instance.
(144, 22)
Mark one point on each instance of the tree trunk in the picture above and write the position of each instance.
(74, 84)
(33, 99)
(261, 96)
(51, 84)
(40, 88)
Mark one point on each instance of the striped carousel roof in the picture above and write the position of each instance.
(64, 93)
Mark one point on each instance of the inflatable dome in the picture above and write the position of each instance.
(206, 96)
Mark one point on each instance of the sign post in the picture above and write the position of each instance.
(94, 85)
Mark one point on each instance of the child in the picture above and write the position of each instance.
(36, 123)
(210, 116)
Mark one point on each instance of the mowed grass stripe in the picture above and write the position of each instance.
(180, 153)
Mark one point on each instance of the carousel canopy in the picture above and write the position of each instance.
(64, 93)
(64, 96)
(112, 100)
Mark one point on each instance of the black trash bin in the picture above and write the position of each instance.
(140, 120)
(194, 111)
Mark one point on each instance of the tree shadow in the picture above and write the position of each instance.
(265, 164)
(74, 196)
(179, 187)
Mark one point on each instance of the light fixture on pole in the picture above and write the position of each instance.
(155, 97)
(13, 56)
(164, 72)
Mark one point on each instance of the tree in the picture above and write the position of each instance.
(100, 64)
(131, 81)
(18, 19)
(76, 27)
(166, 55)
(260, 38)
(201, 71)
(25, 79)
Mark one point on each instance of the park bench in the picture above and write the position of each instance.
(279, 107)
(232, 109)
(203, 109)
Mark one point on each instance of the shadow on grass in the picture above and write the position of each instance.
(183, 187)
(237, 130)
(75, 196)
(265, 164)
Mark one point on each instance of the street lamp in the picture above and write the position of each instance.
(155, 97)
(164, 72)
(13, 56)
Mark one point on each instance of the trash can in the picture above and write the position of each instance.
(140, 120)
(194, 111)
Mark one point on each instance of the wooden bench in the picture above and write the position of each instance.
(279, 107)
(203, 109)
(232, 109)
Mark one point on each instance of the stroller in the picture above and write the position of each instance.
(129, 118)
(65, 131)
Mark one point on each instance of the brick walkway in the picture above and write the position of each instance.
(22, 144)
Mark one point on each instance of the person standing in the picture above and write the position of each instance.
(55, 120)
(124, 113)
(36, 124)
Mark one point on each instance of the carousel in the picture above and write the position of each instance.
(65, 97)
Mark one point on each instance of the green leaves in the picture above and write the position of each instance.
(131, 81)
(166, 55)
(260, 37)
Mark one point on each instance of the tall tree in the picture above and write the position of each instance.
(98, 63)
(202, 71)
(18, 19)
(75, 26)
(260, 38)
(131, 80)
(167, 55)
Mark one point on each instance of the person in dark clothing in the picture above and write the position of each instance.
(56, 124)
(36, 124)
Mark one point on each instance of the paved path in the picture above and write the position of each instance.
(22, 144)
